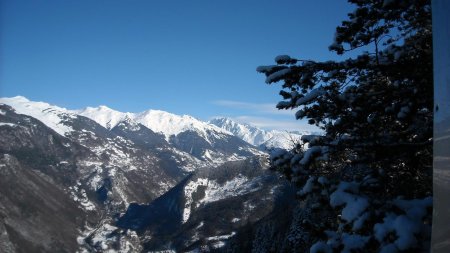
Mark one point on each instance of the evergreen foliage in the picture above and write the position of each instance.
(373, 165)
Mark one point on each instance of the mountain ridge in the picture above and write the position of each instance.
(266, 139)
(158, 121)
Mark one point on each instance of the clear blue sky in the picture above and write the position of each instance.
(185, 57)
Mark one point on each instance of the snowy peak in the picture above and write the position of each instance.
(104, 115)
(129, 123)
(171, 124)
(17, 99)
(53, 116)
(257, 136)
(248, 133)
(158, 121)
(168, 124)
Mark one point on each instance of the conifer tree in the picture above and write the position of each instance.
(373, 164)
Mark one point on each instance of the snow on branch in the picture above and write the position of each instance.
(285, 59)
(314, 93)
(405, 226)
(312, 139)
(346, 194)
(278, 75)
(269, 69)
(313, 153)
(308, 187)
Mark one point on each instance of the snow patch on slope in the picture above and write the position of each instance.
(8, 124)
(214, 191)
(78, 194)
(189, 189)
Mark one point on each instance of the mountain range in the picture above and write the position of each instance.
(97, 180)
(265, 139)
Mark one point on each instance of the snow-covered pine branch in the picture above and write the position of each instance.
(366, 183)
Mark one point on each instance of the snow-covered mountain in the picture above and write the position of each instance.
(167, 124)
(88, 168)
(259, 137)
(51, 115)
(158, 121)
(200, 139)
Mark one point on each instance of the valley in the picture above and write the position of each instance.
(98, 180)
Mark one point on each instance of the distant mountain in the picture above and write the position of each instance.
(111, 178)
(259, 137)
(162, 122)
(200, 139)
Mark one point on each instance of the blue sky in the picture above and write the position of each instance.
(185, 57)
